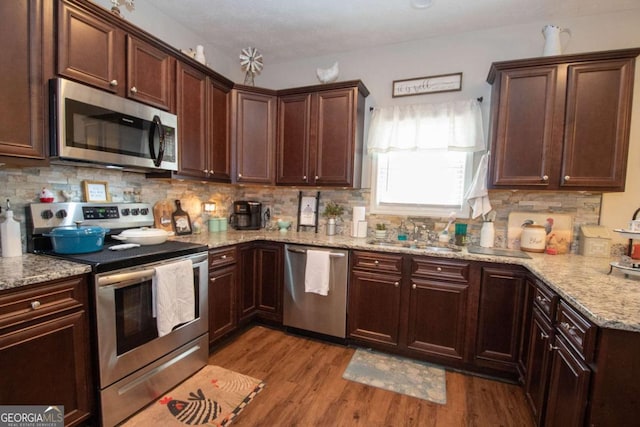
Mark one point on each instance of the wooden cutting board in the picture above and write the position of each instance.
(559, 227)
(162, 215)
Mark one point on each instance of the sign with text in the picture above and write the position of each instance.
(429, 84)
(31, 416)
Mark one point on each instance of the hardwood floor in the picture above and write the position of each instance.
(304, 387)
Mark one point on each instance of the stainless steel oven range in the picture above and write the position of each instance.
(134, 365)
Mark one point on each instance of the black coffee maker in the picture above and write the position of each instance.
(246, 215)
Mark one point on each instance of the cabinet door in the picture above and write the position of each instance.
(254, 134)
(294, 126)
(597, 120)
(437, 317)
(90, 50)
(222, 302)
(22, 96)
(150, 74)
(499, 319)
(192, 143)
(535, 387)
(527, 315)
(524, 107)
(218, 138)
(247, 299)
(374, 307)
(568, 387)
(335, 141)
(269, 278)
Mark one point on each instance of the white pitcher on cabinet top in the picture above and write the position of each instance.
(552, 44)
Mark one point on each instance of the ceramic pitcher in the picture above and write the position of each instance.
(552, 44)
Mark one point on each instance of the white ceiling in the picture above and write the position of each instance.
(283, 30)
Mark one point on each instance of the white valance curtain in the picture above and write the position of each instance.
(453, 125)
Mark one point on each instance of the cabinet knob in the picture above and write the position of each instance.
(35, 305)
(567, 177)
(317, 177)
(223, 257)
(134, 89)
(396, 284)
(304, 177)
(205, 170)
(545, 178)
(414, 286)
(566, 326)
(213, 279)
(113, 83)
(239, 175)
(439, 269)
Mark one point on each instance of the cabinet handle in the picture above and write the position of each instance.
(376, 262)
(552, 347)
(134, 90)
(414, 286)
(396, 284)
(545, 178)
(543, 336)
(113, 83)
(213, 279)
(35, 305)
(567, 327)
(567, 177)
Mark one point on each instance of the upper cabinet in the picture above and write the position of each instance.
(253, 134)
(99, 53)
(562, 122)
(320, 135)
(23, 94)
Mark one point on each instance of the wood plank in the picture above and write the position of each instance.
(304, 387)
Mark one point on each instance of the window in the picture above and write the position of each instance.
(423, 157)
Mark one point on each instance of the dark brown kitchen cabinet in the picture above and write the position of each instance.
(202, 106)
(527, 316)
(562, 122)
(44, 333)
(261, 278)
(26, 43)
(499, 318)
(96, 51)
(374, 298)
(320, 135)
(541, 335)
(438, 304)
(253, 133)
(222, 292)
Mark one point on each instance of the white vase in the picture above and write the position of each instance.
(200, 54)
(487, 234)
(331, 226)
(552, 44)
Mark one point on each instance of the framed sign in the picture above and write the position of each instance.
(429, 84)
(95, 191)
(308, 211)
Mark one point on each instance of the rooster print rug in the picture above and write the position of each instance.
(214, 396)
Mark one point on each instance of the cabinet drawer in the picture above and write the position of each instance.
(221, 257)
(428, 267)
(376, 261)
(580, 332)
(546, 300)
(33, 303)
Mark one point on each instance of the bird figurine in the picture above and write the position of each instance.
(251, 63)
(328, 75)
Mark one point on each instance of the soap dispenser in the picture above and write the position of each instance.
(10, 235)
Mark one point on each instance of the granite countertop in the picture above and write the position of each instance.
(611, 301)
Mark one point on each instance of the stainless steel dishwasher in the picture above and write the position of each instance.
(309, 311)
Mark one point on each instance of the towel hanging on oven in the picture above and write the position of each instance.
(173, 295)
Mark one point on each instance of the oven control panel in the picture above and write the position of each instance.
(45, 216)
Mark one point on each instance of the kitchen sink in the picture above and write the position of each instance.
(413, 245)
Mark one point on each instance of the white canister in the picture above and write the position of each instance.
(10, 236)
(331, 227)
(487, 234)
(533, 238)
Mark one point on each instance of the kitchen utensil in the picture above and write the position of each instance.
(77, 239)
(143, 236)
(162, 215)
(124, 246)
(533, 238)
(487, 234)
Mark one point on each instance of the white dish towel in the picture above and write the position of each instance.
(317, 272)
(478, 195)
(173, 295)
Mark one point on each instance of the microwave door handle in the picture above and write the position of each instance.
(157, 124)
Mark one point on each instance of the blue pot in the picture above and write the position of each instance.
(78, 239)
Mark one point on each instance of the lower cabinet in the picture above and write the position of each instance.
(499, 317)
(44, 347)
(222, 292)
(537, 380)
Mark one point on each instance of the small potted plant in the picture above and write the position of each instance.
(381, 230)
(331, 212)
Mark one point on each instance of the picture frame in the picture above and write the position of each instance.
(426, 85)
(182, 224)
(308, 211)
(95, 191)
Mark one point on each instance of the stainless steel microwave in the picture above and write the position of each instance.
(98, 128)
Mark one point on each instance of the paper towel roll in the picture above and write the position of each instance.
(357, 216)
(362, 229)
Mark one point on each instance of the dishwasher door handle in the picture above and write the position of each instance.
(304, 251)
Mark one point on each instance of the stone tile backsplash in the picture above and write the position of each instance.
(23, 185)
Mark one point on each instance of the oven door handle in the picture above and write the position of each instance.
(123, 280)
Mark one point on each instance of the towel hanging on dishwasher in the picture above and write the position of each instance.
(317, 272)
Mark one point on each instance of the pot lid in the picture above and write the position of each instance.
(78, 231)
(144, 232)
